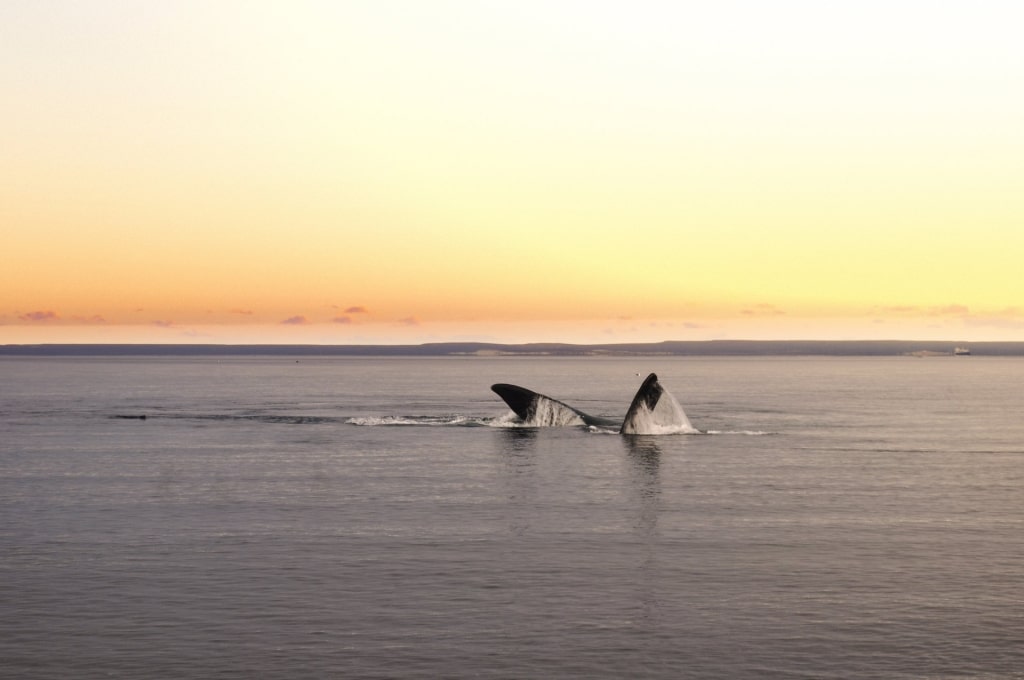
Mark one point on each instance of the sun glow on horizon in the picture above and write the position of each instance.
(559, 171)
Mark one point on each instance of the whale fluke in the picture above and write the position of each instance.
(654, 411)
(539, 410)
(519, 399)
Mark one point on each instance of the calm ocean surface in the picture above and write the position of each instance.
(381, 518)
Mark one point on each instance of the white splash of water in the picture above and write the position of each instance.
(381, 420)
(551, 413)
(508, 420)
(429, 421)
(667, 417)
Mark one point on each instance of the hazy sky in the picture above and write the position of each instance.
(391, 171)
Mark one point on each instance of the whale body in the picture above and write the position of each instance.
(652, 411)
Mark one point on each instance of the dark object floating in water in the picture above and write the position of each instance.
(127, 417)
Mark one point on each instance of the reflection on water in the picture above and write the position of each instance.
(518, 453)
(645, 452)
(519, 438)
(644, 455)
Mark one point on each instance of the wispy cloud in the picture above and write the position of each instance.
(41, 315)
(298, 320)
(95, 318)
(342, 319)
(243, 312)
(409, 321)
(995, 322)
(949, 310)
(163, 324)
(358, 309)
(763, 309)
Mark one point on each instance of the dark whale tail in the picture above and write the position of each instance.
(645, 401)
(539, 410)
(652, 411)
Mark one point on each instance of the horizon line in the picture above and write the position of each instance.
(718, 347)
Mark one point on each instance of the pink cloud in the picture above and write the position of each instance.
(341, 319)
(358, 309)
(95, 318)
(164, 324)
(298, 320)
(410, 321)
(245, 312)
(41, 315)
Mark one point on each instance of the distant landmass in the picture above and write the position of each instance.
(668, 348)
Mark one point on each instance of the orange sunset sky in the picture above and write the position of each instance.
(412, 171)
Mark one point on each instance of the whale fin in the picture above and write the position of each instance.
(654, 411)
(644, 401)
(519, 399)
(539, 410)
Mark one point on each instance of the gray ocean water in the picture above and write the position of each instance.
(383, 518)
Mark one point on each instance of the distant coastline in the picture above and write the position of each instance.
(668, 348)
